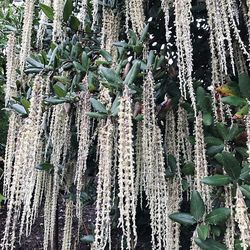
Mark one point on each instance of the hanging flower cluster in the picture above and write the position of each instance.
(126, 172)
(90, 99)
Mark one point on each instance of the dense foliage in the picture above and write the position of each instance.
(147, 120)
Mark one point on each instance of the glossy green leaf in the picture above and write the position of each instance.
(115, 106)
(231, 165)
(234, 101)
(98, 106)
(111, 76)
(132, 74)
(203, 231)
(87, 239)
(213, 141)
(245, 189)
(188, 168)
(183, 218)
(47, 10)
(68, 9)
(19, 109)
(218, 215)
(74, 23)
(245, 172)
(97, 115)
(197, 207)
(210, 244)
(244, 83)
(60, 89)
(217, 180)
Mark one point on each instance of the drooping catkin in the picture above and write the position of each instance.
(59, 129)
(83, 12)
(201, 166)
(104, 191)
(23, 174)
(26, 32)
(242, 218)
(248, 135)
(58, 6)
(67, 230)
(165, 5)
(11, 89)
(135, 14)
(10, 150)
(126, 173)
(183, 19)
(230, 230)
(83, 132)
(110, 30)
(153, 170)
(42, 26)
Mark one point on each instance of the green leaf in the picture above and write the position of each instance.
(197, 207)
(87, 239)
(207, 119)
(97, 115)
(244, 83)
(245, 189)
(218, 215)
(47, 10)
(188, 168)
(210, 244)
(2, 198)
(46, 166)
(111, 76)
(106, 55)
(217, 180)
(201, 99)
(203, 231)
(115, 106)
(132, 74)
(98, 106)
(213, 141)
(215, 149)
(231, 165)
(144, 33)
(245, 172)
(26, 104)
(54, 100)
(222, 130)
(183, 218)
(74, 23)
(19, 109)
(234, 101)
(60, 89)
(85, 61)
(67, 11)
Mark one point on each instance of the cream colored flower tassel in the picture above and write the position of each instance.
(165, 5)
(201, 162)
(10, 150)
(42, 26)
(67, 231)
(26, 32)
(248, 135)
(153, 169)
(11, 89)
(83, 131)
(242, 218)
(104, 189)
(83, 12)
(183, 19)
(126, 175)
(135, 14)
(110, 30)
(58, 6)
